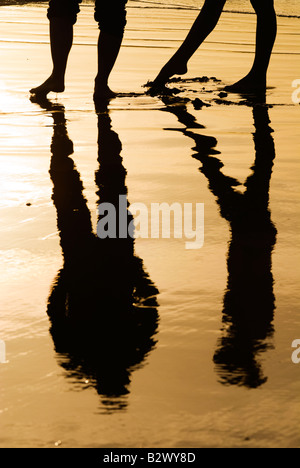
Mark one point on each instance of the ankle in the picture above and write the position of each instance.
(257, 76)
(57, 77)
(101, 81)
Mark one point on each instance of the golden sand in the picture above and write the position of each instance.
(176, 396)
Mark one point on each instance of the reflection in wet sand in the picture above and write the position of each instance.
(103, 305)
(249, 301)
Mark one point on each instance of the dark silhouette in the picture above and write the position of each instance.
(20, 2)
(249, 301)
(111, 17)
(103, 305)
(256, 80)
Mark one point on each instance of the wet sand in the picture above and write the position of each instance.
(212, 366)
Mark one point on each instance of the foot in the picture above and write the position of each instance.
(103, 92)
(51, 84)
(173, 67)
(248, 85)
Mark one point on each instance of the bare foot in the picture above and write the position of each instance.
(173, 67)
(248, 85)
(103, 92)
(51, 84)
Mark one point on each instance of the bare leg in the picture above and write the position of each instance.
(108, 50)
(256, 80)
(61, 39)
(202, 27)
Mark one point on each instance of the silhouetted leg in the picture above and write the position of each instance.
(108, 51)
(202, 27)
(111, 17)
(62, 16)
(256, 80)
(61, 39)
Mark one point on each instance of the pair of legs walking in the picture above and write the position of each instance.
(62, 14)
(206, 23)
(111, 16)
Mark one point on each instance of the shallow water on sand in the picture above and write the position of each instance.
(204, 359)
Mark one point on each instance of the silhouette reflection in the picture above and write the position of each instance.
(249, 301)
(103, 305)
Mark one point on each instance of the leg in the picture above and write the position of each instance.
(256, 80)
(62, 18)
(202, 27)
(108, 51)
(111, 17)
